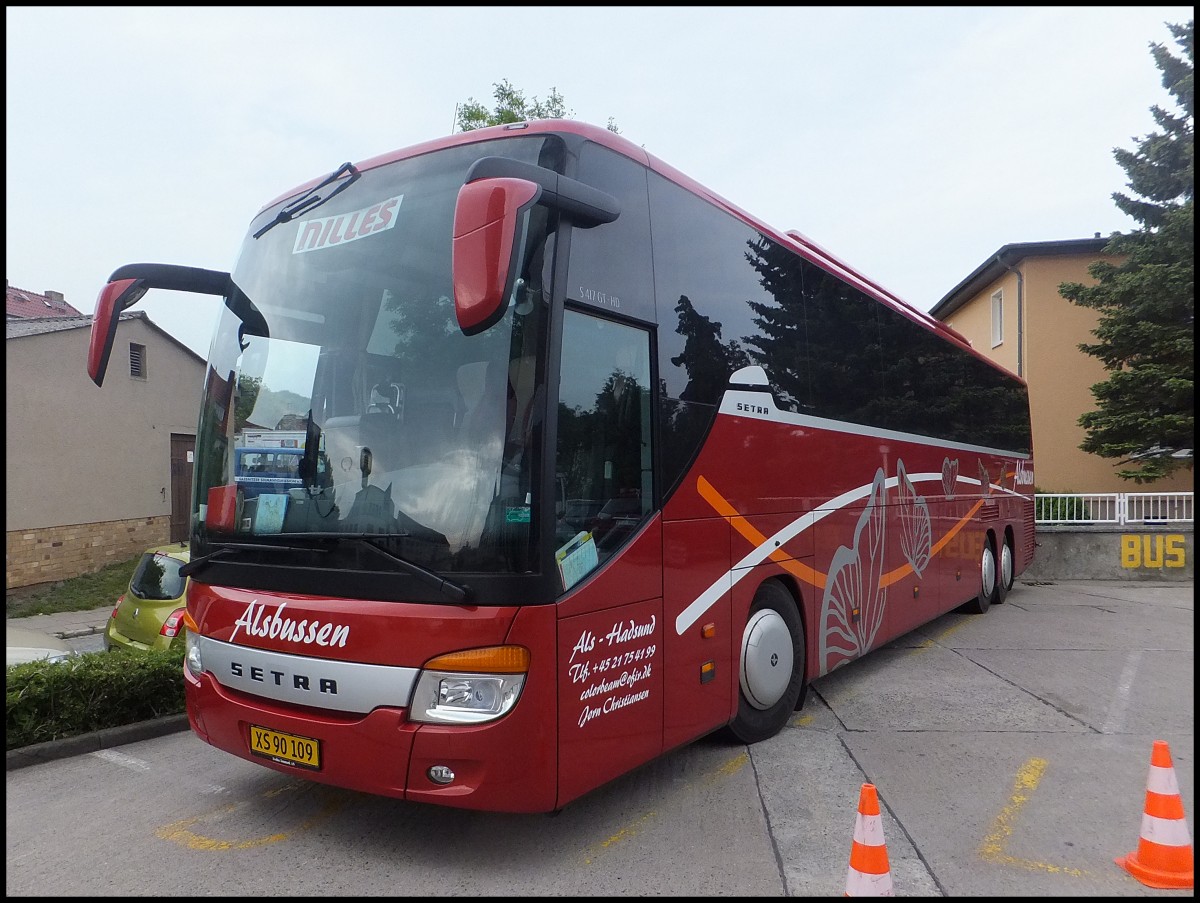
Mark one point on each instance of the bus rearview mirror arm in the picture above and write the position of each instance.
(129, 283)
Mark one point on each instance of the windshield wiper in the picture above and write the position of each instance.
(459, 592)
(313, 198)
(197, 564)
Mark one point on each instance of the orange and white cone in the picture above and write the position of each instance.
(869, 874)
(1163, 858)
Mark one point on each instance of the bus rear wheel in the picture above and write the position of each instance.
(988, 581)
(771, 669)
(1006, 575)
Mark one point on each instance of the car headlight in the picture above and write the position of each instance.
(470, 687)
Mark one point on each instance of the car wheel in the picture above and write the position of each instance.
(771, 669)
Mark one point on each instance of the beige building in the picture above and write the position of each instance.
(1011, 311)
(94, 476)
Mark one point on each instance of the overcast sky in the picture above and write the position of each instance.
(912, 142)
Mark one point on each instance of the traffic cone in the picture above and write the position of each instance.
(868, 875)
(1163, 858)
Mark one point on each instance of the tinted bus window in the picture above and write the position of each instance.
(610, 265)
(705, 292)
(604, 439)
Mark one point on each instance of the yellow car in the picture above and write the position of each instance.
(149, 615)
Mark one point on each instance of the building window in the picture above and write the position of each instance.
(997, 318)
(137, 361)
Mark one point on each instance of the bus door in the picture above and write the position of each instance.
(608, 556)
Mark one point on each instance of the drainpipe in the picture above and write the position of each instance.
(1020, 313)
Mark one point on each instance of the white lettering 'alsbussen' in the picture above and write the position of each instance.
(315, 234)
(275, 626)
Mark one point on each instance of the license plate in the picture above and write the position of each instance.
(287, 749)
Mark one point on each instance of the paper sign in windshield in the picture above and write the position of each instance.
(576, 559)
(316, 234)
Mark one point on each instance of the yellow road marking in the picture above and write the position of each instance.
(726, 769)
(181, 832)
(993, 847)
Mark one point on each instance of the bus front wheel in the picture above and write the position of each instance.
(771, 669)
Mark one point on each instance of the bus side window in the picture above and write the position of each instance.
(604, 451)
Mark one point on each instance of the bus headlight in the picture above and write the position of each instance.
(191, 656)
(470, 687)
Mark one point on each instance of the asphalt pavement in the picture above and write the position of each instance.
(1010, 752)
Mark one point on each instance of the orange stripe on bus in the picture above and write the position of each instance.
(814, 577)
(755, 538)
(905, 569)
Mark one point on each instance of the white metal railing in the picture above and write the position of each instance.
(1114, 508)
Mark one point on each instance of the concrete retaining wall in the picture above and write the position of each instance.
(1129, 552)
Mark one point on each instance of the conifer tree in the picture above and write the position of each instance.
(1145, 336)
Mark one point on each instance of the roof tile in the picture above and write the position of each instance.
(22, 305)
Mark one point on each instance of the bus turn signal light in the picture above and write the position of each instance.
(489, 659)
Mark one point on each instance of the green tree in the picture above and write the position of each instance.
(247, 397)
(1146, 330)
(511, 106)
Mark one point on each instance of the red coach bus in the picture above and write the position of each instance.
(596, 464)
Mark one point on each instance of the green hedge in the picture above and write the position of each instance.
(90, 692)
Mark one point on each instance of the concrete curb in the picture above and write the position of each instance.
(39, 753)
(84, 631)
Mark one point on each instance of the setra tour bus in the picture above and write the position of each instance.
(595, 464)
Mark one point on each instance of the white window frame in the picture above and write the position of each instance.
(997, 317)
(137, 360)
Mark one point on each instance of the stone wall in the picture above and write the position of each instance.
(50, 554)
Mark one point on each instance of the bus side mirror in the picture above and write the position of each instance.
(488, 217)
(127, 285)
(114, 298)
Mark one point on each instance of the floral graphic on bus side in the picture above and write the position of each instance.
(985, 479)
(853, 604)
(916, 530)
(854, 617)
(949, 476)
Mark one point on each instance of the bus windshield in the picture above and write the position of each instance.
(343, 328)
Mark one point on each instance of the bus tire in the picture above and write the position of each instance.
(771, 666)
(1005, 574)
(986, 592)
